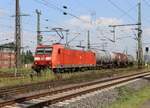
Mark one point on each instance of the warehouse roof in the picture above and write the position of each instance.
(8, 46)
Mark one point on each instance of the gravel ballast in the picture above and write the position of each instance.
(102, 98)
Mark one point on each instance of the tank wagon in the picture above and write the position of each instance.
(130, 60)
(59, 58)
(103, 58)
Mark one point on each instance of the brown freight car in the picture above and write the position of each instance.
(120, 59)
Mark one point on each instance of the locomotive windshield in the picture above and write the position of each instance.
(43, 50)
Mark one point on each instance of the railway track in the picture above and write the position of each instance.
(10, 74)
(48, 97)
(9, 91)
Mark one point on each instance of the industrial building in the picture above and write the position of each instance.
(7, 55)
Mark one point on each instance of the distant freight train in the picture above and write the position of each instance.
(59, 58)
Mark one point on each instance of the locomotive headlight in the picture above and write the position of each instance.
(48, 58)
(37, 58)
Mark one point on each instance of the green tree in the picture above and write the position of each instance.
(27, 57)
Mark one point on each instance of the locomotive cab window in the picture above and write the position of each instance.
(43, 50)
(48, 50)
(39, 51)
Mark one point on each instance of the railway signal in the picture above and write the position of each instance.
(88, 41)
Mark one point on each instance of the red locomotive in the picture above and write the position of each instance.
(59, 58)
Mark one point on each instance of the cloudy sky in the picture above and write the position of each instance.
(84, 15)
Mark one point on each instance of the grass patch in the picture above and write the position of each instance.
(12, 70)
(100, 73)
(74, 77)
(130, 98)
(26, 79)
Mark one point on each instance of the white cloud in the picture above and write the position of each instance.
(82, 22)
(86, 22)
(104, 21)
(99, 29)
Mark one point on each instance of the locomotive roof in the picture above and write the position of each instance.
(61, 46)
(43, 46)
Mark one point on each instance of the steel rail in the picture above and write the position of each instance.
(103, 84)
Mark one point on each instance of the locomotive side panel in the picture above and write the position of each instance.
(90, 58)
(74, 58)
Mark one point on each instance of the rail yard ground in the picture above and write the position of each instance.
(68, 77)
(108, 90)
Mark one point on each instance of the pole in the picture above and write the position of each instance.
(17, 36)
(114, 29)
(114, 34)
(80, 44)
(38, 27)
(140, 50)
(67, 33)
(88, 43)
